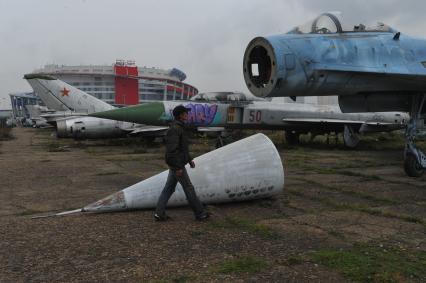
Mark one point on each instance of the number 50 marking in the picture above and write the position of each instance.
(255, 116)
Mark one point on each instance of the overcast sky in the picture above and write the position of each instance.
(205, 39)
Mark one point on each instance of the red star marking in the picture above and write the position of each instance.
(65, 92)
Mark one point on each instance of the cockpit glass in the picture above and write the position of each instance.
(332, 22)
(324, 24)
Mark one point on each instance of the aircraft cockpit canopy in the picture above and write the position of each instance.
(329, 23)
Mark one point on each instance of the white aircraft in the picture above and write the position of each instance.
(72, 106)
(225, 111)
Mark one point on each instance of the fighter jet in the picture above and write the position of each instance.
(229, 110)
(34, 112)
(72, 107)
(370, 68)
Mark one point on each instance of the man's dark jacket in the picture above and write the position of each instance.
(177, 146)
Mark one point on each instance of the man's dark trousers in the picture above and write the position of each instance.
(188, 188)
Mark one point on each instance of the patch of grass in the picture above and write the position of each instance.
(362, 195)
(28, 212)
(140, 150)
(356, 174)
(320, 169)
(266, 203)
(197, 233)
(245, 264)
(246, 225)
(380, 212)
(293, 260)
(181, 279)
(360, 208)
(336, 234)
(374, 263)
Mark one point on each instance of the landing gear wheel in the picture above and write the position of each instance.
(292, 138)
(225, 138)
(350, 138)
(412, 167)
(415, 159)
(219, 142)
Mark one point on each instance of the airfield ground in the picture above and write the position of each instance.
(345, 215)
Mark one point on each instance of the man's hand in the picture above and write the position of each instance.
(192, 164)
(179, 172)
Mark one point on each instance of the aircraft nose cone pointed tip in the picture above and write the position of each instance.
(114, 202)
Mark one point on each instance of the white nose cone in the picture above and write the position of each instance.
(247, 169)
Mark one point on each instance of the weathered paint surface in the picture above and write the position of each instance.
(259, 115)
(332, 61)
(248, 169)
(60, 96)
(160, 113)
(201, 114)
(112, 202)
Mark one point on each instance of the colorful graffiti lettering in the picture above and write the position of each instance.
(200, 114)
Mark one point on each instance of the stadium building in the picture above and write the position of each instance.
(123, 83)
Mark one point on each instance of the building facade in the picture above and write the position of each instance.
(21, 101)
(123, 83)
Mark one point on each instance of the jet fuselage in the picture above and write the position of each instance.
(369, 70)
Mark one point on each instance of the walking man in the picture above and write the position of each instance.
(177, 156)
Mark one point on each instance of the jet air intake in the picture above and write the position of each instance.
(267, 65)
(259, 68)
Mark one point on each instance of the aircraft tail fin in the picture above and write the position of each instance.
(60, 96)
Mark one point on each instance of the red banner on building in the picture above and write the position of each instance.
(126, 85)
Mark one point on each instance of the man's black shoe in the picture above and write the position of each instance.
(161, 218)
(203, 217)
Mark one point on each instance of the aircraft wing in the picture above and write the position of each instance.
(321, 120)
(210, 129)
(148, 129)
(363, 126)
(62, 115)
(378, 123)
(336, 121)
(145, 129)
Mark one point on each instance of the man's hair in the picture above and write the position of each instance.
(179, 110)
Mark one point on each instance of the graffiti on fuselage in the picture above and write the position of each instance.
(200, 114)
